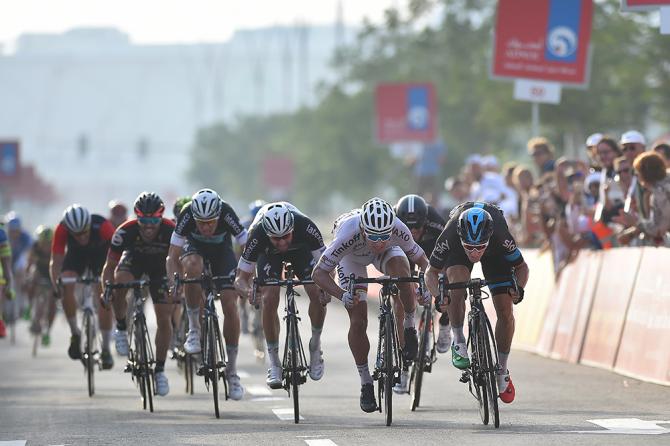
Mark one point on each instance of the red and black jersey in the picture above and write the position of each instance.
(127, 238)
(101, 234)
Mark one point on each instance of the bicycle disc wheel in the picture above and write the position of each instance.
(489, 370)
(389, 372)
(89, 361)
(295, 372)
(416, 379)
(211, 365)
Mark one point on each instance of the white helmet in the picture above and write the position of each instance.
(76, 218)
(206, 204)
(277, 220)
(377, 216)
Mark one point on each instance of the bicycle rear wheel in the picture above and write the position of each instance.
(416, 378)
(389, 369)
(89, 345)
(295, 366)
(489, 368)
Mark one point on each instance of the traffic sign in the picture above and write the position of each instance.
(537, 91)
(405, 112)
(546, 40)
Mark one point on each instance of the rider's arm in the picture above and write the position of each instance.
(432, 279)
(324, 280)
(55, 267)
(172, 262)
(522, 272)
(57, 253)
(108, 269)
(422, 262)
(243, 282)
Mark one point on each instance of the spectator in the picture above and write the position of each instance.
(530, 229)
(542, 152)
(491, 188)
(607, 150)
(632, 144)
(591, 144)
(650, 169)
(663, 149)
(118, 213)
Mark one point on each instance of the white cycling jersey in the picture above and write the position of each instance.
(350, 242)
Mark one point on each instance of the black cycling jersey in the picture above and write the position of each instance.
(501, 254)
(306, 236)
(228, 224)
(127, 238)
(432, 230)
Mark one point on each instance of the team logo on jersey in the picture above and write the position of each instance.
(117, 238)
(509, 245)
(441, 248)
(313, 231)
(401, 234)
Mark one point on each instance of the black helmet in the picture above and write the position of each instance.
(412, 210)
(149, 204)
(475, 226)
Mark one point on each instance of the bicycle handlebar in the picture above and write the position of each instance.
(386, 280)
(84, 280)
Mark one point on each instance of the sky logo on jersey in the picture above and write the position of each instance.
(563, 30)
(417, 108)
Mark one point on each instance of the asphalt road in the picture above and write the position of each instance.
(43, 401)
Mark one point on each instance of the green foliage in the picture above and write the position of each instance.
(332, 144)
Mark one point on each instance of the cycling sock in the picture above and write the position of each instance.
(72, 322)
(502, 359)
(408, 322)
(315, 342)
(444, 319)
(160, 366)
(231, 364)
(273, 353)
(364, 373)
(106, 336)
(459, 336)
(193, 318)
(121, 324)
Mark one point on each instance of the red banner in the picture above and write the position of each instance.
(643, 5)
(405, 113)
(544, 40)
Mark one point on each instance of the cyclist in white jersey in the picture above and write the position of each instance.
(371, 235)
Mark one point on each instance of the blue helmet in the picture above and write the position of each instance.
(475, 226)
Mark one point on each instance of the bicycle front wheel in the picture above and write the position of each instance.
(416, 378)
(491, 360)
(89, 345)
(389, 369)
(295, 370)
(212, 362)
(477, 363)
(146, 365)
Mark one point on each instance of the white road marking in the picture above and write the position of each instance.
(259, 390)
(626, 426)
(321, 442)
(261, 399)
(285, 414)
(13, 443)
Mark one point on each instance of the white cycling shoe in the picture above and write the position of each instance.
(444, 339)
(316, 364)
(274, 377)
(235, 389)
(192, 344)
(121, 342)
(403, 385)
(162, 386)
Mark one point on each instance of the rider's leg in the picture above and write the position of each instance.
(504, 325)
(119, 298)
(163, 311)
(231, 327)
(456, 308)
(271, 325)
(105, 318)
(358, 340)
(69, 302)
(398, 266)
(192, 265)
(317, 315)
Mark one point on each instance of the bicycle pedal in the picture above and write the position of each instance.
(465, 377)
(201, 371)
(128, 368)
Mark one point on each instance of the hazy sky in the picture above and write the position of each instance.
(153, 21)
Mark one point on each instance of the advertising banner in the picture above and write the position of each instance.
(405, 112)
(643, 5)
(546, 40)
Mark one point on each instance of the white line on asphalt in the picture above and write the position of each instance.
(626, 426)
(261, 399)
(259, 391)
(321, 442)
(285, 414)
(13, 443)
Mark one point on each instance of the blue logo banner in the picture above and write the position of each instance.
(563, 30)
(417, 108)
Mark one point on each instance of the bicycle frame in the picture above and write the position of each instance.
(294, 360)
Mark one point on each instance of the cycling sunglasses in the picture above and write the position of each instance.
(378, 237)
(149, 220)
(283, 237)
(206, 222)
(479, 248)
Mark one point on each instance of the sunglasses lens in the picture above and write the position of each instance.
(149, 220)
(378, 237)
